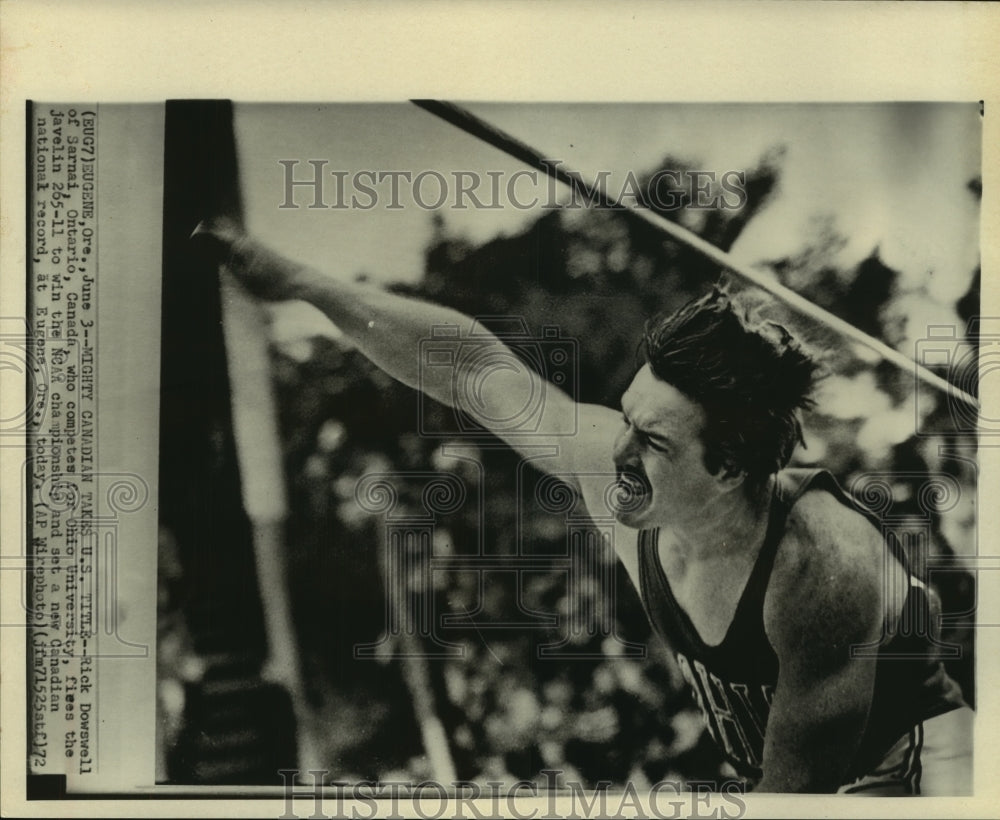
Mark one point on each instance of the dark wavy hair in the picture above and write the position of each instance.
(751, 378)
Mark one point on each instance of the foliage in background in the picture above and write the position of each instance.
(598, 275)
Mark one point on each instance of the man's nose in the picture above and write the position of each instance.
(625, 446)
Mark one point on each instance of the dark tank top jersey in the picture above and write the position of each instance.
(733, 682)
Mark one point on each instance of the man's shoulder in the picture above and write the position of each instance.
(824, 532)
(828, 567)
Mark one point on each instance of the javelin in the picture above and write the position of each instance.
(596, 193)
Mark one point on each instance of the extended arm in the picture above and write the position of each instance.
(825, 597)
(492, 386)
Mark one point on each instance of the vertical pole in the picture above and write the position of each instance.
(221, 476)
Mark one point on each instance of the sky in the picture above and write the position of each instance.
(889, 176)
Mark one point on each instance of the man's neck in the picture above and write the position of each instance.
(733, 526)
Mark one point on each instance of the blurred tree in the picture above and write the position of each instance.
(598, 275)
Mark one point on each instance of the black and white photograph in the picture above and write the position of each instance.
(414, 455)
(550, 496)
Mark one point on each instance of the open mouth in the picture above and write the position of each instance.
(631, 491)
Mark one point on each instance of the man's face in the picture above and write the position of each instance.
(658, 454)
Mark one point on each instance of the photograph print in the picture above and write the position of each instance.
(562, 449)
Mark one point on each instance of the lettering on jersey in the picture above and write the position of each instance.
(735, 713)
(685, 666)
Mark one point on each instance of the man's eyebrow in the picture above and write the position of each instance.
(650, 433)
